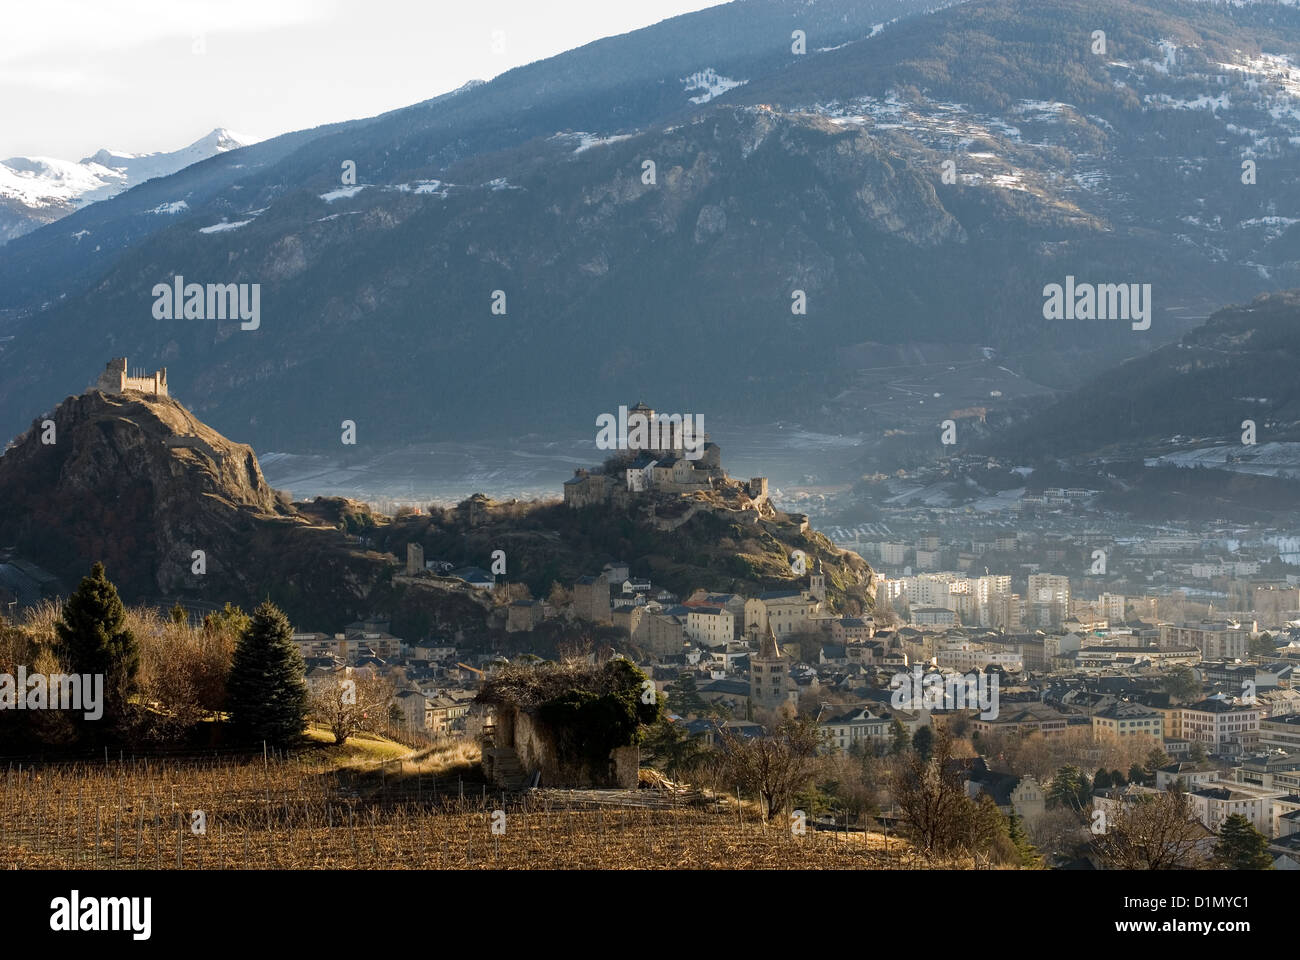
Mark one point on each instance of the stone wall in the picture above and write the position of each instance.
(534, 744)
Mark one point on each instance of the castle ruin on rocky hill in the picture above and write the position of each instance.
(116, 379)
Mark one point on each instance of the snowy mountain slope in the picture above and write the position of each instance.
(822, 173)
(35, 191)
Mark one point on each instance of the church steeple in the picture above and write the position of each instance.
(769, 685)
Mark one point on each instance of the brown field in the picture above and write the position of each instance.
(307, 811)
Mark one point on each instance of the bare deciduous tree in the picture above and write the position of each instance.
(352, 705)
(1154, 832)
(776, 767)
(1059, 832)
(932, 798)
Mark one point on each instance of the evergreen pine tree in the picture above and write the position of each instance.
(267, 693)
(1156, 759)
(901, 738)
(1069, 788)
(1241, 846)
(988, 830)
(1029, 856)
(93, 639)
(923, 742)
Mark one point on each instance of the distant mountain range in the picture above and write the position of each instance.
(35, 191)
(774, 172)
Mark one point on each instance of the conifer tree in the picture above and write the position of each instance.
(267, 694)
(1069, 788)
(1241, 846)
(923, 742)
(93, 638)
(1156, 759)
(901, 738)
(1028, 854)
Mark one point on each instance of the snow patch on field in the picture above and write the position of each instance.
(1202, 102)
(588, 140)
(1281, 459)
(711, 83)
(1040, 109)
(224, 226)
(343, 193)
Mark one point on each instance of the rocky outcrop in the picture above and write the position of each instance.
(173, 508)
(139, 483)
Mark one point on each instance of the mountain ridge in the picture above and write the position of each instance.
(1239, 365)
(38, 190)
(385, 285)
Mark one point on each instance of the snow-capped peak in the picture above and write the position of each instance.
(219, 140)
(40, 190)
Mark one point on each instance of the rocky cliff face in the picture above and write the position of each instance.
(745, 207)
(138, 482)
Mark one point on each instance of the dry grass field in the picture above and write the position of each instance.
(358, 807)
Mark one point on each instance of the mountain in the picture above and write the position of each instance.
(625, 81)
(776, 172)
(1186, 397)
(35, 191)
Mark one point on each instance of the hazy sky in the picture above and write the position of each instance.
(145, 75)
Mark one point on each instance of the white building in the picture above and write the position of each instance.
(710, 626)
(933, 617)
(893, 553)
(1219, 723)
(1214, 803)
(857, 726)
(965, 657)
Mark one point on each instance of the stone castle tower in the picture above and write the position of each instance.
(116, 379)
(414, 558)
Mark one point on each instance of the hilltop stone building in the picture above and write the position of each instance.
(644, 468)
(787, 612)
(116, 379)
(524, 615)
